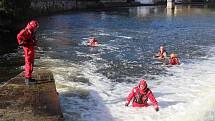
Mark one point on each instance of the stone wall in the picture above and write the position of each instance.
(47, 6)
(113, 1)
(151, 1)
(44, 6)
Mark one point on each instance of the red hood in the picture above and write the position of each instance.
(143, 82)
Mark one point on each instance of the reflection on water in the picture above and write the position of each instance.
(190, 10)
(142, 12)
(147, 11)
(170, 12)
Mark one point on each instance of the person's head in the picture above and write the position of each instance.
(92, 39)
(142, 85)
(162, 48)
(33, 25)
(173, 55)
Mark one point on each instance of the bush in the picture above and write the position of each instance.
(15, 8)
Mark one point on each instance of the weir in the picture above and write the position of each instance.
(38, 102)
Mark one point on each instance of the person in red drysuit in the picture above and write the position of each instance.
(173, 60)
(92, 42)
(162, 53)
(140, 95)
(26, 39)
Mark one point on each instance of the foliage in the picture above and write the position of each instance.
(15, 8)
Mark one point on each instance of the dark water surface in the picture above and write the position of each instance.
(129, 37)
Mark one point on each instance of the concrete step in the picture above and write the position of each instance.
(38, 102)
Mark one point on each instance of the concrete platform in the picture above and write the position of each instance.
(38, 102)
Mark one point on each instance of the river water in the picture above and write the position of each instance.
(94, 82)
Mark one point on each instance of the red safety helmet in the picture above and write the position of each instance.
(33, 25)
(143, 82)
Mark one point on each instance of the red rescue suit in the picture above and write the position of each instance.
(162, 53)
(140, 97)
(174, 61)
(92, 42)
(26, 39)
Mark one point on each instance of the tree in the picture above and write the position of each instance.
(15, 8)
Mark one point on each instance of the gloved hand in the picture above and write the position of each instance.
(126, 103)
(35, 42)
(156, 108)
(22, 43)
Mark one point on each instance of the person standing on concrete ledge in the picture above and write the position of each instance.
(26, 39)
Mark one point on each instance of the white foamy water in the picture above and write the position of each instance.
(186, 93)
(126, 37)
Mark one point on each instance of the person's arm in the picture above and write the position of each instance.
(165, 54)
(157, 54)
(153, 100)
(21, 39)
(178, 62)
(170, 61)
(34, 39)
(130, 96)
